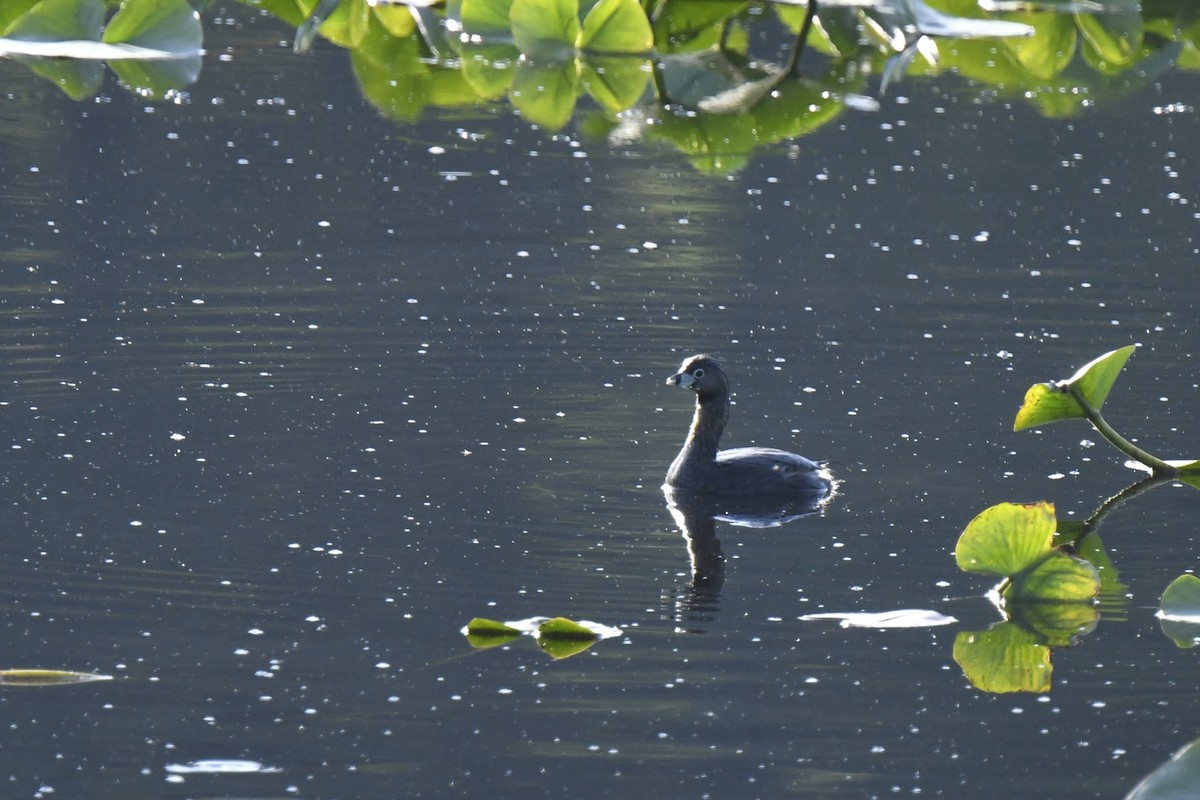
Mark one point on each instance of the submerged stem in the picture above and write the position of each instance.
(1157, 465)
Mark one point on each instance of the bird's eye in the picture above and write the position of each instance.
(699, 373)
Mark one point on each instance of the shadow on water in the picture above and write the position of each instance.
(697, 514)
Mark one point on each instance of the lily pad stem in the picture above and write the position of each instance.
(1159, 467)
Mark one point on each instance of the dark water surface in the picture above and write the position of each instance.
(291, 393)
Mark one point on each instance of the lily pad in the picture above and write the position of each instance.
(1179, 611)
(563, 628)
(1176, 779)
(1058, 578)
(1007, 538)
(1055, 624)
(616, 26)
(545, 28)
(486, 19)
(1015, 541)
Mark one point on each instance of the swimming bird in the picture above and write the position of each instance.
(744, 471)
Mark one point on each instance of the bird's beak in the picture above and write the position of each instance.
(683, 379)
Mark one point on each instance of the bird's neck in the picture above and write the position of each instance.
(704, 436)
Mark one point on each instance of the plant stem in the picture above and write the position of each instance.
(1159, 467)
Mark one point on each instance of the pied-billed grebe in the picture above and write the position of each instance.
(699, 467)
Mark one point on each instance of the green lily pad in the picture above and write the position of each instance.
(481, 626)
(1051, 48)
(170, 26)
(1015, 541)
(1179, 611)
(1006, 539)
(563, 628)
(59, 21)
(1057, 577)
(547, 29)
(486, 19)
(1176, 779)
(616, 26)
(1116, 35)
(1051, 402)
(1055, 624)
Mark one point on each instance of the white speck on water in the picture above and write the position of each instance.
(178, 437)
(256, 631)
(324, 223)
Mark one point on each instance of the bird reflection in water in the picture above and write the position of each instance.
(697, 515)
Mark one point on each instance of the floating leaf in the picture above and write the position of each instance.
(12, 9)
(1115, 36)
(902, 618)
(1057, 577)
(1005, 658)
(562, 638)
(1179, 611)
(1016, 542)
(563, 628)
(59, 21)
(1176, 779)
(397, 20)
(486, 18)
(1006, 539)
(47, 677)
(1055, 624)
(616, 26)
(1051, 402)
(481, 626)
(1051, 48)
(170, 26)
(484, 633)
(545, 28)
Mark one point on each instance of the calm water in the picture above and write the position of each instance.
(292, 392)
